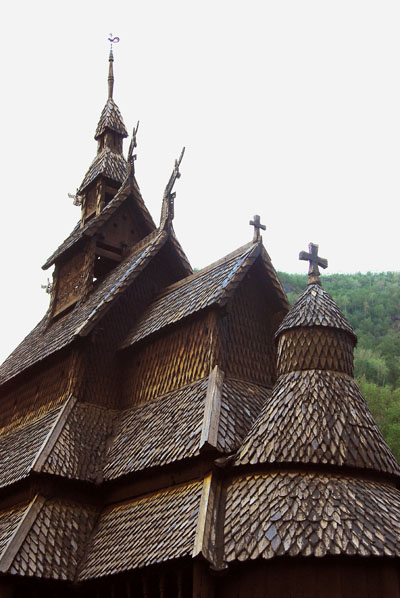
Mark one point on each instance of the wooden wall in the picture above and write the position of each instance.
(312, 578)
(172, 360)
(104, 372)
(36, 393)
(247, 334)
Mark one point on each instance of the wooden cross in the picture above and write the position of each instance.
(257, 226)
(314, 259)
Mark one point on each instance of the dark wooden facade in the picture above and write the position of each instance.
(169, 433)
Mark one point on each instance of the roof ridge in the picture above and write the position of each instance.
(205, 270)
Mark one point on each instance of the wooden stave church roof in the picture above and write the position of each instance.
(249, 533)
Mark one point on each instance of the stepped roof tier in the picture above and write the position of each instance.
(165, 432)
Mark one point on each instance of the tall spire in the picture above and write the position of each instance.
(110, 74)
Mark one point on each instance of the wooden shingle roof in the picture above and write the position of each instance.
(170, 428)
(147, 530)
(310, 514)
(45, 538)
(316, 416)
(315, 307)
(213, 285)
(107, 163)
(128, 192)
(45, 339)
(111, 118)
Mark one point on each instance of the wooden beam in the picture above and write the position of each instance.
(212, 410)
(109, 254)
(20, 533)
(53, 435)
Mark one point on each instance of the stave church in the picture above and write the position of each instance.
(170, 433)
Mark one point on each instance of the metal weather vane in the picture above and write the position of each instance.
(113, 40)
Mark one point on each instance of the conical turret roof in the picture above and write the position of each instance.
(111, 118)
(315, 307)
(316, 413)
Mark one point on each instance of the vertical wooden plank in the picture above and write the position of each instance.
(203, 583)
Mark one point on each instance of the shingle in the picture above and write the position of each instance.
(45, 340)
(56, 541)
(20, 446)
(147, 530)
(168, 429)
(107, 163)
(317, 416)
(9, 520)
(204, 288)
(111, 118)
(80, 449)
(129, 191)
(315, 308)
(310, 514)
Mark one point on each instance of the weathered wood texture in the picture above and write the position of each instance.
(179, 357)
(317, 348)
(247, 336)
(71, 276)
(124, 229)
(38, 393)
(104, 372)
(335, 578)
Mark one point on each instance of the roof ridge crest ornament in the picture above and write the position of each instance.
(315, 260)
(256, 222)
(131, 156)
(112, 40)
(167, 210)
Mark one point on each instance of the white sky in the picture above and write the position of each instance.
(287, 108)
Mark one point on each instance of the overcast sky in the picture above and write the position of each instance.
(288, 109)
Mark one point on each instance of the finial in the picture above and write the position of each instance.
(167, 212)
(315, 261)
(131, 155)
(112, 40)
(257, 226)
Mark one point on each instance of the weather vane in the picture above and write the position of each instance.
(113, 40)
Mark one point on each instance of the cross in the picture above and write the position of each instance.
(257, 226)
(314, 260)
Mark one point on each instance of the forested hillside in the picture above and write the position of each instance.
(371, 302)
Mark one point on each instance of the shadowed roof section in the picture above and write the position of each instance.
(147, 530)
(129, 192)
(45, 340)
(315, 308)
(20, 446)
(212, 285)
(46, 538)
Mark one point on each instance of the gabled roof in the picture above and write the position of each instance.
(129, 190)
(315, 307)
(107, 163)
(213, 285)
(111, 118)
(316, 416)
(45, 339)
